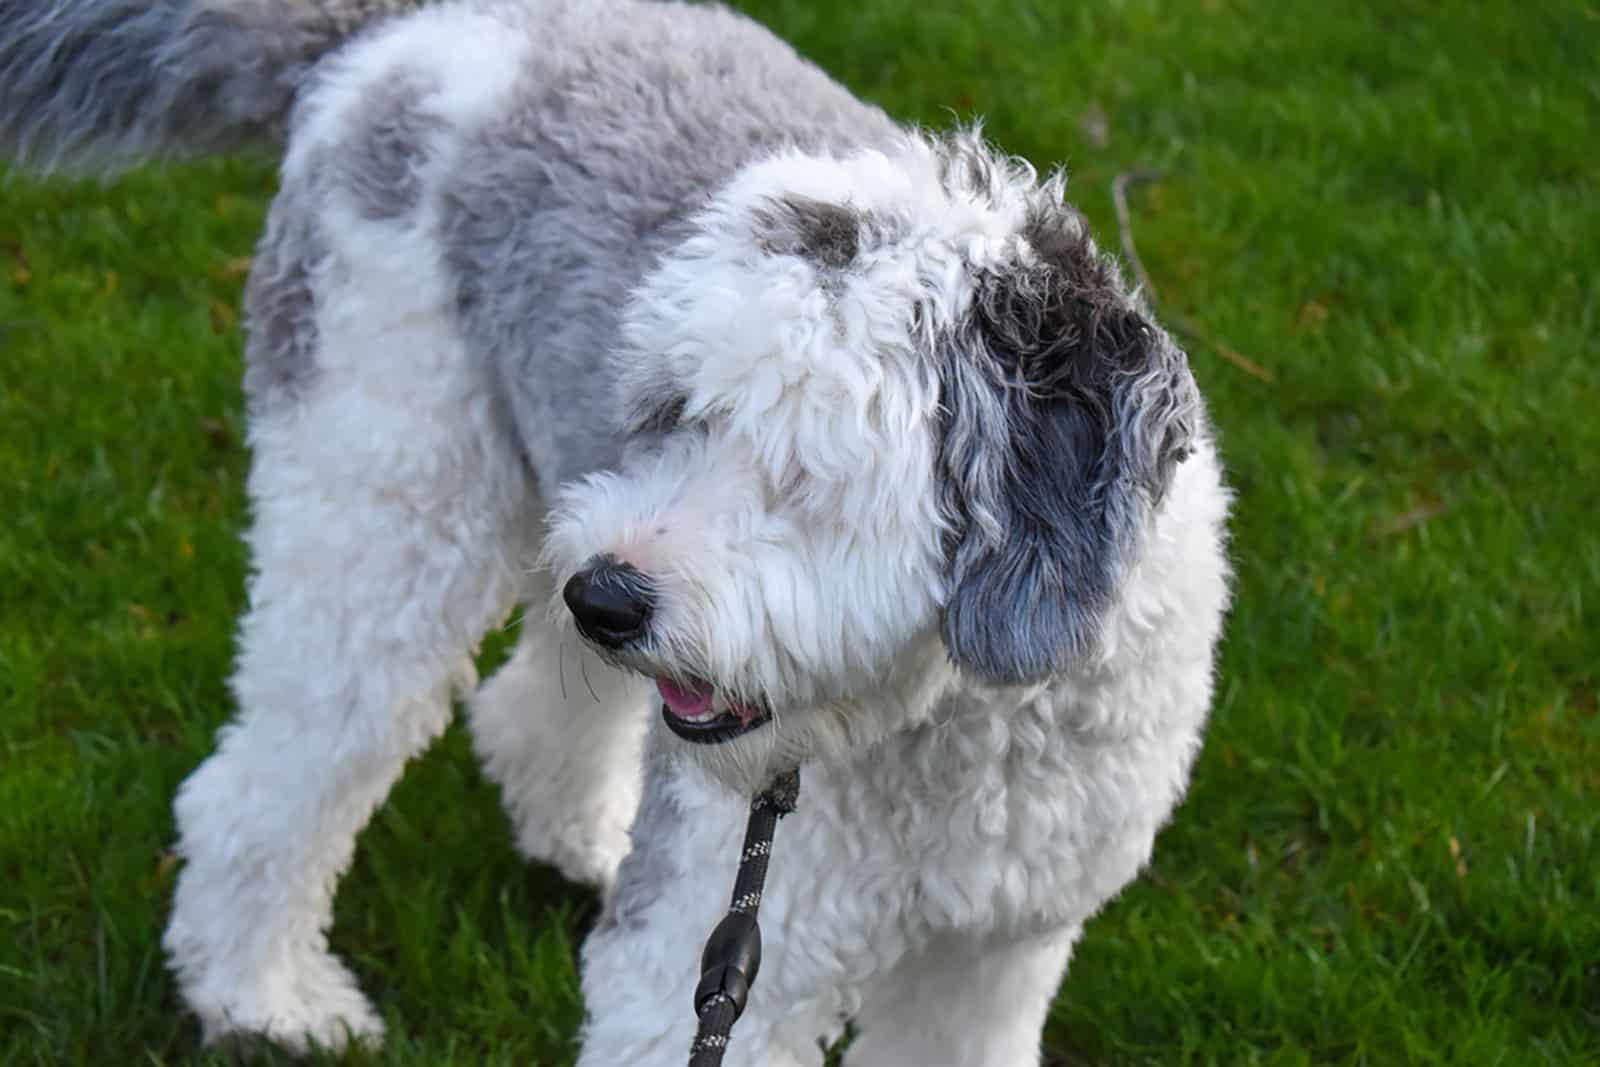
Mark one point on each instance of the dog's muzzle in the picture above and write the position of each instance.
(697, 712)
(610, 601)
(611, 604)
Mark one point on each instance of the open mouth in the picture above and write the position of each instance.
(697, 711)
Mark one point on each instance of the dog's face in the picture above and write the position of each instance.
(890, 419)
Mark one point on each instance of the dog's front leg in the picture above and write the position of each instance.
(963, 1001)
(642, 962)
(559, 731)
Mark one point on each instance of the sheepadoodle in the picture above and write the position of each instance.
(799, 437)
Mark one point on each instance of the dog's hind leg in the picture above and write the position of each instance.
(394, 524)
(374, 586)
(561, 731)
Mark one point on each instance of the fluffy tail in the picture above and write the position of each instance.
(95, 85)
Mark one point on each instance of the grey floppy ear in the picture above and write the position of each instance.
(1066, 412)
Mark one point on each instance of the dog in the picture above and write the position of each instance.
(800, 437)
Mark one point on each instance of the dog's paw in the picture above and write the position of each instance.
(315, 1006)
(588, 855)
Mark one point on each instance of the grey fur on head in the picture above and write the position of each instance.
(102, 85)
(826, 233)
(1066, 412)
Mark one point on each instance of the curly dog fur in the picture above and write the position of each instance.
(845, 436)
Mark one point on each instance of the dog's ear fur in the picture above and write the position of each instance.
(1065, 414)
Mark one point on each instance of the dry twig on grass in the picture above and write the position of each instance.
(1130, 251)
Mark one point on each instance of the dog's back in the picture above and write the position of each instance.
(98, 85)
(541, 152)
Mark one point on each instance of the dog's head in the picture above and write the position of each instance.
(892, 420)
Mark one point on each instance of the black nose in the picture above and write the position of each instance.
(610, 601)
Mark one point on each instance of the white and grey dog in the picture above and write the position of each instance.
(844, 439)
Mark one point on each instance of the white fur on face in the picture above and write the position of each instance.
(789, 520)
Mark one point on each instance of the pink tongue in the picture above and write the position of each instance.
(686, 702)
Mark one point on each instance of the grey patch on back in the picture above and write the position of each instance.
(379, 162)
(280, 302)
(1066, 413)
(826, 233)
(650, 864)
(627, 121)
(100, 84)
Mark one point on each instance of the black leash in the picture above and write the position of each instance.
(733, 952)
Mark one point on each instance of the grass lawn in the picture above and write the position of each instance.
(1392, 849)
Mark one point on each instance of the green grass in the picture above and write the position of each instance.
(1392, 849)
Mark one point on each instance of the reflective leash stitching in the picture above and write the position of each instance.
(732, 955)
